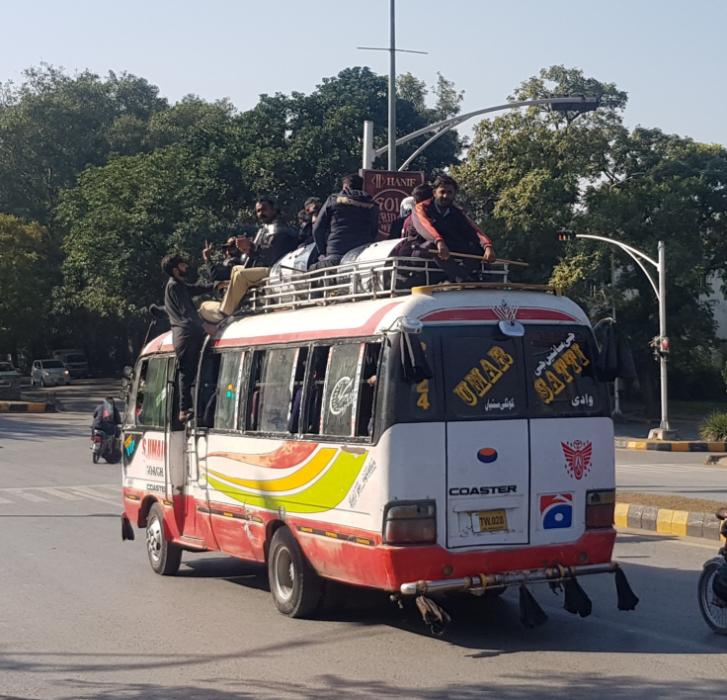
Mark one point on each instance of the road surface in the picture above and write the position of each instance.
(83, 616)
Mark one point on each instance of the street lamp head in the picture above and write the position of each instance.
(575, 103)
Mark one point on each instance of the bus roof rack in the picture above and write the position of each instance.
(291, 288)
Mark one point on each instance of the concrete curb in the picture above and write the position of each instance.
(665, 521)
(26, 407)
(671, 445)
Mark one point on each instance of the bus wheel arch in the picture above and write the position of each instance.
(144, 509)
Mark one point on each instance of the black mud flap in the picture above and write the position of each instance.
(627, 599)
(127, 532)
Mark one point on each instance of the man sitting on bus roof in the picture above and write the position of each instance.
(272, 241)
(221, 271)
(347, 220)
(440, 222)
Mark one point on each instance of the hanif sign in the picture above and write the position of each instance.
(388, 189)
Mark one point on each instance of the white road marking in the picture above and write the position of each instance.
(59, 493)
(89, 493)
(34, 498)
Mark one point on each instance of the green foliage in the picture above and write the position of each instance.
(26, 278)
(714, 427)
(55, 125)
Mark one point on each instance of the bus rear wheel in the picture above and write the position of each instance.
(296, 587)
(164, 556)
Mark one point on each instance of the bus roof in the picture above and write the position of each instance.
(445, 304)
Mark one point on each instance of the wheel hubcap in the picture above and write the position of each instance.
(154, 540)
(284, 570)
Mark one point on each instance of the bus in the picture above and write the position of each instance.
(378, 429)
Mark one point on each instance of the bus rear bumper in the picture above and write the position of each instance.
(479, 583)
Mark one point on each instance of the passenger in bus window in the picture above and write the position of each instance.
(315, 391)
(187, 330)
(440, 222)
(347, 220)
(368, 390)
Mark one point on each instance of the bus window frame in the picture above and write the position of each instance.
(242, 354)
(136, 425)
(247, 389)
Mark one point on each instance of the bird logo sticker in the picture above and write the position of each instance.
(577, 458)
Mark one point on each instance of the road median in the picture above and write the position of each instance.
(676, 516)
(26, 407)
(670, 445)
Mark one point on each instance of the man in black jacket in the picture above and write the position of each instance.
(187, 330)
(221, 271)
(348, 219)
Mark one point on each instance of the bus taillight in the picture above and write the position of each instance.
(413, 522)
(599, 508)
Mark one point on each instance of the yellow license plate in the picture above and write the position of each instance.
(492, 520)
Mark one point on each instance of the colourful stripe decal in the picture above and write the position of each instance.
(293, 481)
(324, 494)
(288, 455)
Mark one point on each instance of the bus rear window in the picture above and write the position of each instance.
(562, 372)
(483, 376)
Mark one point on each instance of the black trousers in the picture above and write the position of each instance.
(187, 346)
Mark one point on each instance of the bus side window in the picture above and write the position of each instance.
(276, 390)
(253, 395)
(367, 393)
(152, 411)
(207, 392)
(228, 390)
(314, 396)
(340, 394)
(298, 381)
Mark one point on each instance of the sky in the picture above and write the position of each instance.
(668, 55)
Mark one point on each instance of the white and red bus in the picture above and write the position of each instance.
(418, 441)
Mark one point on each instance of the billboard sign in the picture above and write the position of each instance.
(388, 188)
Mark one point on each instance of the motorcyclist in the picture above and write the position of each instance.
(106, 417)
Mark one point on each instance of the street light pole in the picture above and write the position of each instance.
(392, 85)
(664, 427)
(576, 104)
(663, 432)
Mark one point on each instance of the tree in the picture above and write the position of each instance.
(26, 279)
(525, 173)
(54, 125)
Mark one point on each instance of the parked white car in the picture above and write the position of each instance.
(9, 376)
(49, 373)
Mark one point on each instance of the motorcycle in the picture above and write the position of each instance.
(106, 446)
(712, 586)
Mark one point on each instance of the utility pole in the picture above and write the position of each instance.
(392, 84)
(391, 148)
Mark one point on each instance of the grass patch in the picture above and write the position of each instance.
(698, 505)
(695, 409)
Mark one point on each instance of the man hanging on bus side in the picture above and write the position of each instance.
(187, 330)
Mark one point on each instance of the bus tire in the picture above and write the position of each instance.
(295, 586)
(164, 556)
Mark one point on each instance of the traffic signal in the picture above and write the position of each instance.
(565, 235)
